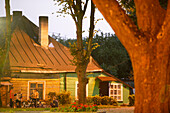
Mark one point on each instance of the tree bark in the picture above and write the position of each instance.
(149, 49)
(4, 49)
(82, 81)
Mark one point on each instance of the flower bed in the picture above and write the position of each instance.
(74, 107)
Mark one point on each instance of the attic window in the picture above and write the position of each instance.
(51, 45)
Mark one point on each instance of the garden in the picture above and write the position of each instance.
(67, 104)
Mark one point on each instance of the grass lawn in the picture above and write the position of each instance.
(48, 109)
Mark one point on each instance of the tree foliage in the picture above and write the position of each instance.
(112, 56)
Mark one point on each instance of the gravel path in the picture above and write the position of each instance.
(117, 110)
(106, 110)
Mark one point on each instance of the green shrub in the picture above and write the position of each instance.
(96, 100)
(105, 100)
(131, 100)
(63, 97)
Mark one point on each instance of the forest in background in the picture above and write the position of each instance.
(110, 55)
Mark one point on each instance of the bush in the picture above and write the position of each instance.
(105, 100)
(63, 97)
(131, 100)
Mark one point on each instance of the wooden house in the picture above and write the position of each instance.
(38, 61)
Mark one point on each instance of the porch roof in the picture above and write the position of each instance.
(106, 79)
(6, 83)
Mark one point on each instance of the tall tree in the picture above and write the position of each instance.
(5, 42)
(77, 9)
(148, 46)
(5, 38)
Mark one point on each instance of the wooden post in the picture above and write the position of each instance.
(65, 84)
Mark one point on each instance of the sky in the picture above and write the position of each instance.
(32, 9)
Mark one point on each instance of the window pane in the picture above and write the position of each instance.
(115, 97)
(40, 91)
(119, 86)
(115, 86)
(115, 92)
(40, 86)
(119, 92)
(111, 92)
(31, 91)
(111, 86)
(33, 85)
(119, 98)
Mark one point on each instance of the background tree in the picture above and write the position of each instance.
(77, 9)
(112, 56)
(5, 38)
(115, 61)
(148, 45)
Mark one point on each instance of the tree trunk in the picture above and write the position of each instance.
(148, 46)
(151, 65)
(82, 81)
(81, 63)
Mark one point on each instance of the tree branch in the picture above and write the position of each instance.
(164, 32)
(85, 7)
(150, 15)
(91, 30)
(72, 6)
(123, 26)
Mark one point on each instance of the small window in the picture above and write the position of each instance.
(36, 85)
(116, 91)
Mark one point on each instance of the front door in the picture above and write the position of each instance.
(104, 88)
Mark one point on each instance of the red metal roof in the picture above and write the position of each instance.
(26, 55)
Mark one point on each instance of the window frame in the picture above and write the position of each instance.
(121, 89)
(37, 82)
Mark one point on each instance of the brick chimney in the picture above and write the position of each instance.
(43, 31)
(17, 14)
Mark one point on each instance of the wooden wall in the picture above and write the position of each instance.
(4, 95)
(50, 85)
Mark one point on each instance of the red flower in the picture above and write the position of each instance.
(90, 106)
(94, 105)
(74, 103)
(72, 106)
(85, 106)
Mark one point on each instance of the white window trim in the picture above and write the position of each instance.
(76, 90)
(121, 89)
(28, 91)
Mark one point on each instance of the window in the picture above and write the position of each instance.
(36, 85)
(116, 91)
(76, 90)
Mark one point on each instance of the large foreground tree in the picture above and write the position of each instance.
(148, 45)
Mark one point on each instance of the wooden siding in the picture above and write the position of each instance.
(50, 85)
(4, 95)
